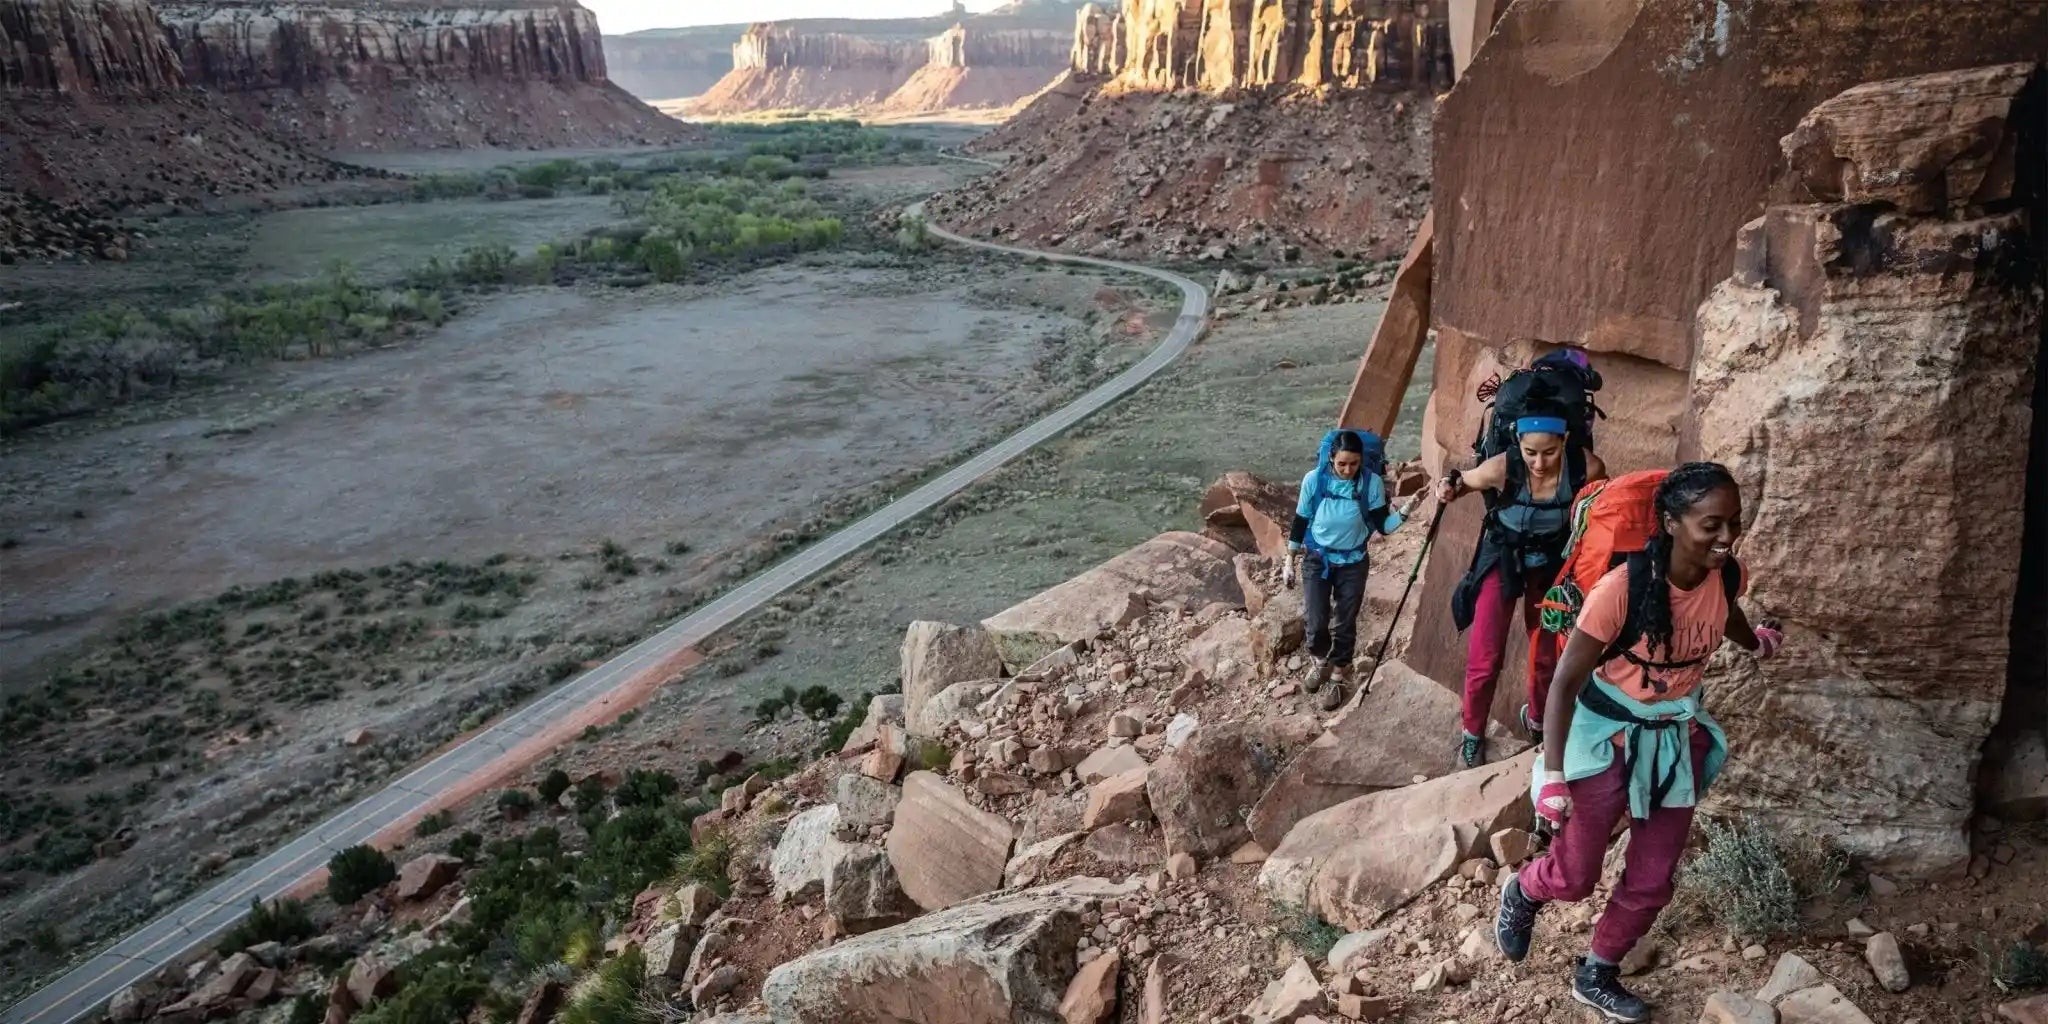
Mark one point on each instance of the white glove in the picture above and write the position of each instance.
(1287, 576)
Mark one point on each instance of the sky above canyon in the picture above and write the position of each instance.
(619, 16)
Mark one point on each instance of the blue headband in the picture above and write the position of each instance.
(1540, 425)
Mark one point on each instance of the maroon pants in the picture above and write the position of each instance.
(1486, 646)
(1571, 868)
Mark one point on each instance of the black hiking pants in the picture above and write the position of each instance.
(1332, 612)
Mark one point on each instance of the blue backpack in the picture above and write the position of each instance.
(1373, 463)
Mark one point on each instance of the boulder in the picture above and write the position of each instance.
(370, 979)
(996, 960)
(722, 979)
(885, 709)
(1118, 798)
(1247, 568)
(127, 1005)
(2032, 1010)
(1380, 743)
(1735, 1008)
(809, 843)
(1421, 833)
(1821, 1004)
(423, 876)
(1347, 950)
(1031, 861)
(1278, 629)
(720, 934)
(1152, 1003)
(1790, 974)
(956, 704)
(943, 847)
(1223, 653)
(1201, 790)
(1183, 568)
(1052, 816)
(1241, 501)
(1887, 962)
(696, 903)
(668, 950)
(1125, 846)
(1926, 350)
(861, 890)
(236, 974)
(1091, 995)
(936, 655)
(884, 761)
(1290, 997)
(1106, 762)
(864, 802)
(543, 1002)
(341, 1003)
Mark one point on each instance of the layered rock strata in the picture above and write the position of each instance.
(788, 66)
(1891, 326)
(1226, 44)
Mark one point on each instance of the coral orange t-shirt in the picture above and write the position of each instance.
(1699, 619)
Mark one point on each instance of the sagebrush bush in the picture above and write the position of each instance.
(1754, 880)
(554, 785)
(358, 871)
(2019, 965)
(284, 920)
(1309, 933)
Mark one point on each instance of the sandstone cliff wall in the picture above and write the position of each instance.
(105, 47)
(346, 74)
(780, 66)
(1675, 109)
(1226, 44)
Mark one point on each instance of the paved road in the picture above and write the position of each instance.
(87, 987)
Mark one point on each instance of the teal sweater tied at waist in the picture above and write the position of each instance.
(1656, 746)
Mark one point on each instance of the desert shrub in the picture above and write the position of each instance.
(434, 988)
(2018, 965)
(285, 920)
(706, 863)
(466, 846)
(819, 702)
(1309, 933)
(356, 872)
(543, 934)
(554, 785)
(307, 1009)
(842, 728)
(768, 708)
(434, 824)
(448, 186)
(1754, 880)
(616, 994)
(645, 788)
(927, 754)
(515, 801)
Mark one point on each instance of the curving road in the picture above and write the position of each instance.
(85, 988)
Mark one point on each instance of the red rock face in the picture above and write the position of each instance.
(1674, 110)
(339, 75)
(1224, 44)
(108, 47)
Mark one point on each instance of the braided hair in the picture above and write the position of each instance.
(1682, 488)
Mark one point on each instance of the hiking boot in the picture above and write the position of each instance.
(1471, 751)
(1333, 696)
(1517, 921)
(1532, 727)
(1599, 986)
(1317, 676)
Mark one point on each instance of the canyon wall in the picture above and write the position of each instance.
(78, 47)
(1675, 110)
(790, 66)
(1216, 45)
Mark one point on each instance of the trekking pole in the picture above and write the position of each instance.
(1381, 654)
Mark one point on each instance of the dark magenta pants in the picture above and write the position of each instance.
(1571, 868)
(1486, 646)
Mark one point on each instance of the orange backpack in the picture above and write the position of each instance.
(1611, 519)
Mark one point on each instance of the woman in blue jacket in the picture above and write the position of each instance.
(1343, 503)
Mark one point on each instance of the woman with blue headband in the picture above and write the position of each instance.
(1530, 489)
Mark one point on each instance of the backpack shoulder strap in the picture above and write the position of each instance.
(1638, 590)
(1731, 580)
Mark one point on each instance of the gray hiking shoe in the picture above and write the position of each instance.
(1333, 696)
(1318, 674)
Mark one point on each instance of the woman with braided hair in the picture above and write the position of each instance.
(1628, 734)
